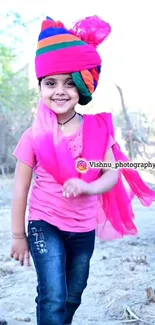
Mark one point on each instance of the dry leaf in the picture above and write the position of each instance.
(150, 294)
(141, 260)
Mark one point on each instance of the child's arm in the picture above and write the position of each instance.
(109, 178)
(22, 182)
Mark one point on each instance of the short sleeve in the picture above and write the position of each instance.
(24, 149)
(111, 142)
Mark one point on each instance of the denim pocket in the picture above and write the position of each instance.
(36, 236)
(37, 226)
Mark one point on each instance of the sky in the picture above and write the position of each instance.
(128, 55)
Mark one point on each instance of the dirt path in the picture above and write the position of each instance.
(120, 273)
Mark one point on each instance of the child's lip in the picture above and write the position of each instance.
(60, 100)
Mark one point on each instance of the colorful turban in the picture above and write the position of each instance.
(73, 51)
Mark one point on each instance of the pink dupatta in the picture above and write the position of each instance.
(115, 213)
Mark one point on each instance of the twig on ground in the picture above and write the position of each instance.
(110, 303)
(130, 321)
(23, 319)
(135, 318)
(131, 313)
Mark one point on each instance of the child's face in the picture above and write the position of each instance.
(59, 93)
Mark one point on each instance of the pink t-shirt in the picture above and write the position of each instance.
(46, 200)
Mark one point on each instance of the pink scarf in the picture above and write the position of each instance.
(115, 214)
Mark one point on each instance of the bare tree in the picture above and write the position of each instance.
(136, 139)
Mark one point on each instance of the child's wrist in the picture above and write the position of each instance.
(18, 235)
(91, 189)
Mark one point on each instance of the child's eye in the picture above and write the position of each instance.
(70, 83)
(50, 83)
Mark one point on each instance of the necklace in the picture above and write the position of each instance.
(62, 124)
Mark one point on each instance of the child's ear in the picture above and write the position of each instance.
(39, 89)
(39, 86)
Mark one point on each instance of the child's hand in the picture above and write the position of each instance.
(20, 251)
(75, 187)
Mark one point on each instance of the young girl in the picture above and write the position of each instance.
(70, 201)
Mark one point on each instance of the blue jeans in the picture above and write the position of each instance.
(62, 262)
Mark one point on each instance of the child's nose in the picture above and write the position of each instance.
(60, 90)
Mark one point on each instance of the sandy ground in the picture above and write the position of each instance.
(120, 273)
